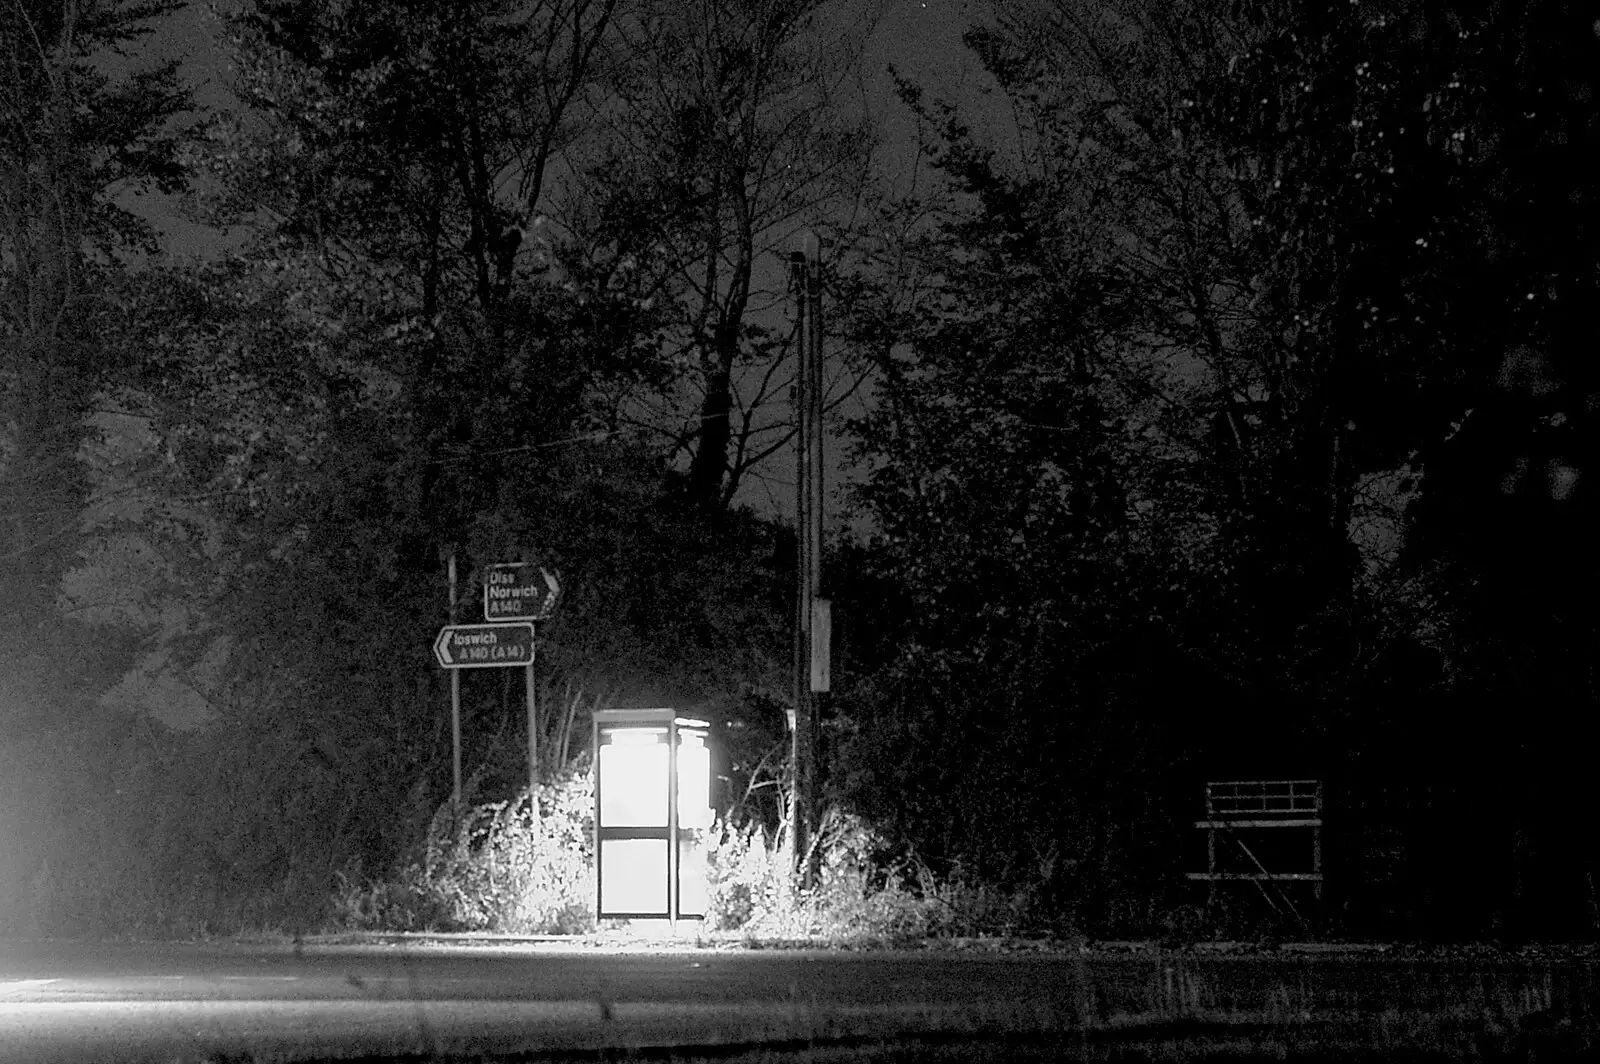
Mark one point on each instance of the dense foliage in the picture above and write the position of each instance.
(77, 137)
(1231, 416)
(1226, 405)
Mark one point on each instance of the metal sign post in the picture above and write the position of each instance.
(522, 591)
(455, 700)
(533, 736)
(515, 594)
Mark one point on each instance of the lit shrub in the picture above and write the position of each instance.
(748, 876)
(494, 867)
(858, 895)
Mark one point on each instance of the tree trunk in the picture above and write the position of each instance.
(710, 462)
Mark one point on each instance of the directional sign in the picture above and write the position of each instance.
(484, 646)
(518, 591)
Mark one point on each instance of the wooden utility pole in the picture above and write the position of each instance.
(810, 623)
(799, 749)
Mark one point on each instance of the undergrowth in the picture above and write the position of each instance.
(498, 867)
(858, 891)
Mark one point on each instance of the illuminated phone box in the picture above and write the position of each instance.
(652, 811)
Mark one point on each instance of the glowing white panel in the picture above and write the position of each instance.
(633, 876)
(694, 782)
(633, 786)
(694, 897)
(634, 736)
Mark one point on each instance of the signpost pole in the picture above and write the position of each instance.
(515, 595)
(455, 700)
(533, 737)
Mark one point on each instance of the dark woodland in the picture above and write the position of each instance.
(1227, 411)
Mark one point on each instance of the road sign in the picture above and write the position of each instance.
(518, 591)
(821, 644)
(484, 646)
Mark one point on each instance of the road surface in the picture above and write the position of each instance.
(169, 1002)
(150, 1002)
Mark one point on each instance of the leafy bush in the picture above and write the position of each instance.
(401, 903)
(861, 893)
(748, 875)
(494, 867)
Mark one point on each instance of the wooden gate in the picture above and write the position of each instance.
(1237, 812)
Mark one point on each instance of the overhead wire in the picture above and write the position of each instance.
(94, 499)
